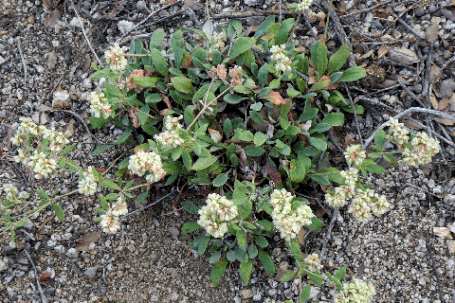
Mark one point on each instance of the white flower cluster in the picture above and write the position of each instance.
(144, 162)
(217, 215)
(42, 164)
(110, 222)
(356, 291)
(283, 62)
(57, 140)
(313, 262)
(287, 221)
(11, 192)
(116, 58)
(219, 40)
(398, 133)
(355, 155)
(170, 136)
(423, 148)
(346, 191)
(303, 5)
(367, 201)
(99, 105)
(363, 201)
(87, 184)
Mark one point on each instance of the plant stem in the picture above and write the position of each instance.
(328, 19)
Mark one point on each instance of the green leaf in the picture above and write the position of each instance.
(305, 294)
(227, 127)
(274, 83)
(261, 241)
(318, 143)
(215, 257)
(262, 74)
(260, 138)
(308, 114)
(266, 224)
(143, 113)
(379, 139)
(159, 61)
(157, 38)
(243, 135)
(42, 194)
(295, 249)
(142, 196)
(334, 119)
(203, 163)
(145, 81)
(241, 45)
(242, 89)
(292, 92)
(58, 211)
(109, 184)
(218, 272)
(182, 84)
(288, 276)
(101, 149)
(98, 122)
(254, 151)
(338, 59)
(190, 207)
(264, 25)
(220, 180)
(241, 238)
(203, 244)
(283, 31)
(321, 180)
(233, 99)
(319, 58)
(353, 74)
(298, 168)
(124, 136)
(320, 128)
(69, 148)
(112, 196)
(189, 227)
(245, 271)
(339, 273)
(256, 117)
(252, 251)
(372, 167)
(316, 224)
(267, 262)
(317, 280)
(20, 223)
(187, 160)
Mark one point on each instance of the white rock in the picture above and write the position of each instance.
(442, 232)
(125, 26)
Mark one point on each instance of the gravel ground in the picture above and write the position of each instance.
(408, 254)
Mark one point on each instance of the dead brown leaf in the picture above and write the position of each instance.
(46, 275)
(446, 121)
(403, 55)
(434, 70)
(87, 239)
(51, 60)
(275, 98)
(444, 103)
(412, 124)
(382, 51)
(52, 19)
(132, 112)
(215, 135)
(434, 102)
